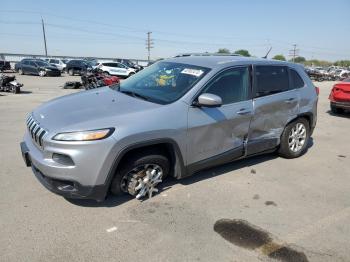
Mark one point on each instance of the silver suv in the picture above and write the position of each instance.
(174, 118)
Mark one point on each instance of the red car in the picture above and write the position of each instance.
(340, 96)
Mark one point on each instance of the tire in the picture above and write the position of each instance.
(336, 110)
(286, 148)
(20, 71)
(42, 73)
(71, 72)
(16, 90)
(124, 182)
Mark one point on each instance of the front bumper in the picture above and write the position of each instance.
(343, 105)
(86, 179)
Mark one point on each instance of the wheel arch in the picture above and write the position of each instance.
(165, 145)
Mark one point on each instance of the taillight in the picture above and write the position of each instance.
(317, 90)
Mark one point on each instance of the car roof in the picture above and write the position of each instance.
(220, 61)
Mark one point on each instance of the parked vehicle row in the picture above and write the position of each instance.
(327, 74)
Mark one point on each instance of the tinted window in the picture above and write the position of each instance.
(297, 82)
(232, 85)
(271, 80)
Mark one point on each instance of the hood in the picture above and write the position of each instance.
(86, 110)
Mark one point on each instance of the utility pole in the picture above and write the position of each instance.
(294, 52)
(42, 22)
(149, 45)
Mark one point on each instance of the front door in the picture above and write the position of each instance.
(217, 134)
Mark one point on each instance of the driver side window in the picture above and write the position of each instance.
(232, 85)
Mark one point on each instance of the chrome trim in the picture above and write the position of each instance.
(36, 131)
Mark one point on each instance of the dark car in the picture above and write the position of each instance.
(77, 67)
(4, 65)
(36, 67)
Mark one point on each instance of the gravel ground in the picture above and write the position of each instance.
(257, 209)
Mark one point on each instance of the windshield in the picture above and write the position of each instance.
(164, 82)
(41, 63)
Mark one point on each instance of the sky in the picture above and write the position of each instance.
(319, 28)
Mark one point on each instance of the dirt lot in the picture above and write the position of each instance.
(252, 210)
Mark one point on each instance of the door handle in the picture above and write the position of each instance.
(289, 100)
(244, 111)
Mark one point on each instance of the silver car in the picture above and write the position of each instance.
(173, 118)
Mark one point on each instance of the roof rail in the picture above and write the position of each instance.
(205, 54)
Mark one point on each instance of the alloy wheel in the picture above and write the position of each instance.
(297, 137)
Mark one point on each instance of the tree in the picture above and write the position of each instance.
(279, 57)
(242, 52)
(299, 59)
(223, 51)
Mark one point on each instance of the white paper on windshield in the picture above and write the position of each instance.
(193, 72)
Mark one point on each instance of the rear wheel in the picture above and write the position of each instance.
(141, 174)
(20, 71)
(42, 73)
(295, 138)
(16, 90)
(71, 72)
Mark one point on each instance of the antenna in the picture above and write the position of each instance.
(268, 52)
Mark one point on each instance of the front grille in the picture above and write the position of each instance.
(36, 132)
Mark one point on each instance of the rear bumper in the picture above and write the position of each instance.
(343, 105)
(53, 73)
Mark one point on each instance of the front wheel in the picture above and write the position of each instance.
(295, 139)
(16, 90)
(141, 174)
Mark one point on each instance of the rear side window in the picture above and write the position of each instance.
(271, 80)
(296, 80)
(231, 85)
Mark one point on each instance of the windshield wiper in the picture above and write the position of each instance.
(133, 94)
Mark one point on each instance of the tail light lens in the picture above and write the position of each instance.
(317, 90)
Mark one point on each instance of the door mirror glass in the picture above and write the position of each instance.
(209, 100)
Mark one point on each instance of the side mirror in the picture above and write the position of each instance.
(208, 100)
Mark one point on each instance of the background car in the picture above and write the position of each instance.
(57, 62)
(340, 97)
(77, 67)
(117, 69)
(36, 67)
(129, 64)
(4, 65)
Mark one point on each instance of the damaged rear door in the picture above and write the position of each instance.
(217, 134)
(275, 104)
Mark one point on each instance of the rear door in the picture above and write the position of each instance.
(218, 134)
(275, 103)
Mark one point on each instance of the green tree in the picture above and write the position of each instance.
(223, 51)
(299, 59)
(242, 52)
(279, 57)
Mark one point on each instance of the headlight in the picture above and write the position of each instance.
(84, 135)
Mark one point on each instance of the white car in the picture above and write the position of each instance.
(57, 62)
(117, 69)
